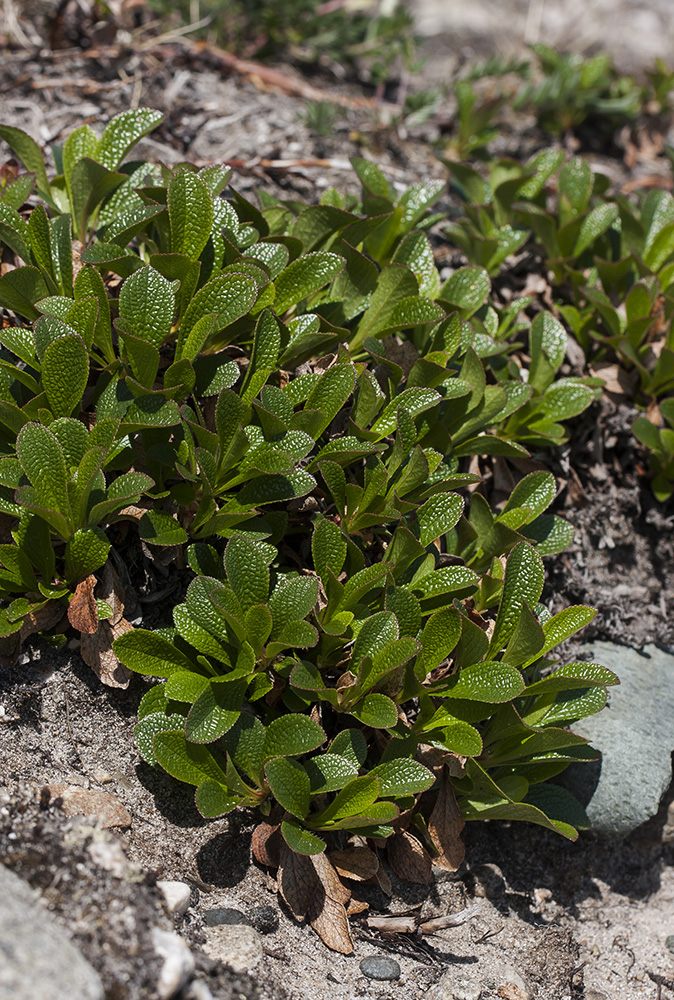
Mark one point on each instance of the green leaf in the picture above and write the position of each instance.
(30, 154)
(292, 599)
(43, 462)
(190, 208)
(227, 298)
(375, 633)
(573, 677)
(350, 743)
(21, 289)
(213, 799)
(247, 571)
(292, 735)
(273, 489)
(415, 400)
(330, 393)
(402, 777)
(329, 771)
(189, 762)
(123, 132)
(86, 552)
(299, 840)
(523, 581)
(328, 547)
(90, 183)
(289, 784)
(151, 724)
(65, 373)
(159, 528)
(149, 653)
(490, 681)
(562, 626)
(354, 798)
(305, 276)
(439, 515)
(146, 306)
(441, 633)
(468, 288)
(377, 711)
(215, 710)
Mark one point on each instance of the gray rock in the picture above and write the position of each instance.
(178, 966)
(177, 896)
(635, 735)
(502, 974)
(225, 915)
(453, 987)
(264, 919)
(235, 945)
(37, 959)
(378, 967)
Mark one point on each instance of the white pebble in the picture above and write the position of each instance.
(178, 964)
(177, 896)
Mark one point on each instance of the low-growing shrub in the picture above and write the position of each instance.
(287, 396)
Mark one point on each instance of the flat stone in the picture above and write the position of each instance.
(177, 896)
(225, 915)
(635, 735)
(178, 966)
(502, 975)
(104, 806)
(453, 987)
(235, 945)
(37, 959)
(378, 967)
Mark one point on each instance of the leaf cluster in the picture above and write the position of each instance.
(286, 396)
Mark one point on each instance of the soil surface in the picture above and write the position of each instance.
(585, 920)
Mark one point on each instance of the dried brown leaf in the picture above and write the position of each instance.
(111, 590)
(266, 844)
(78, 801)
(408, 858)
(297, 881)
(381, 877)
(357, 863)
(334, 888)
(82, 610)
(445, 825)
(356, 906)
(96, 651)
(329, 920)
(47, 617)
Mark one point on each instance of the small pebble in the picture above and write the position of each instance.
(376, 967)
(669, 942)
(199, 991)
(177, 896)
(264, 919)
(178, 964)
(239, 947)
(225, 915)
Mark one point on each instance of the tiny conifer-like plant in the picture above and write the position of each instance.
(284, 399)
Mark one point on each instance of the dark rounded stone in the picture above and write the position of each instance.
(669, 942)
(377, 967)
(225, 915)
(264, 919)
